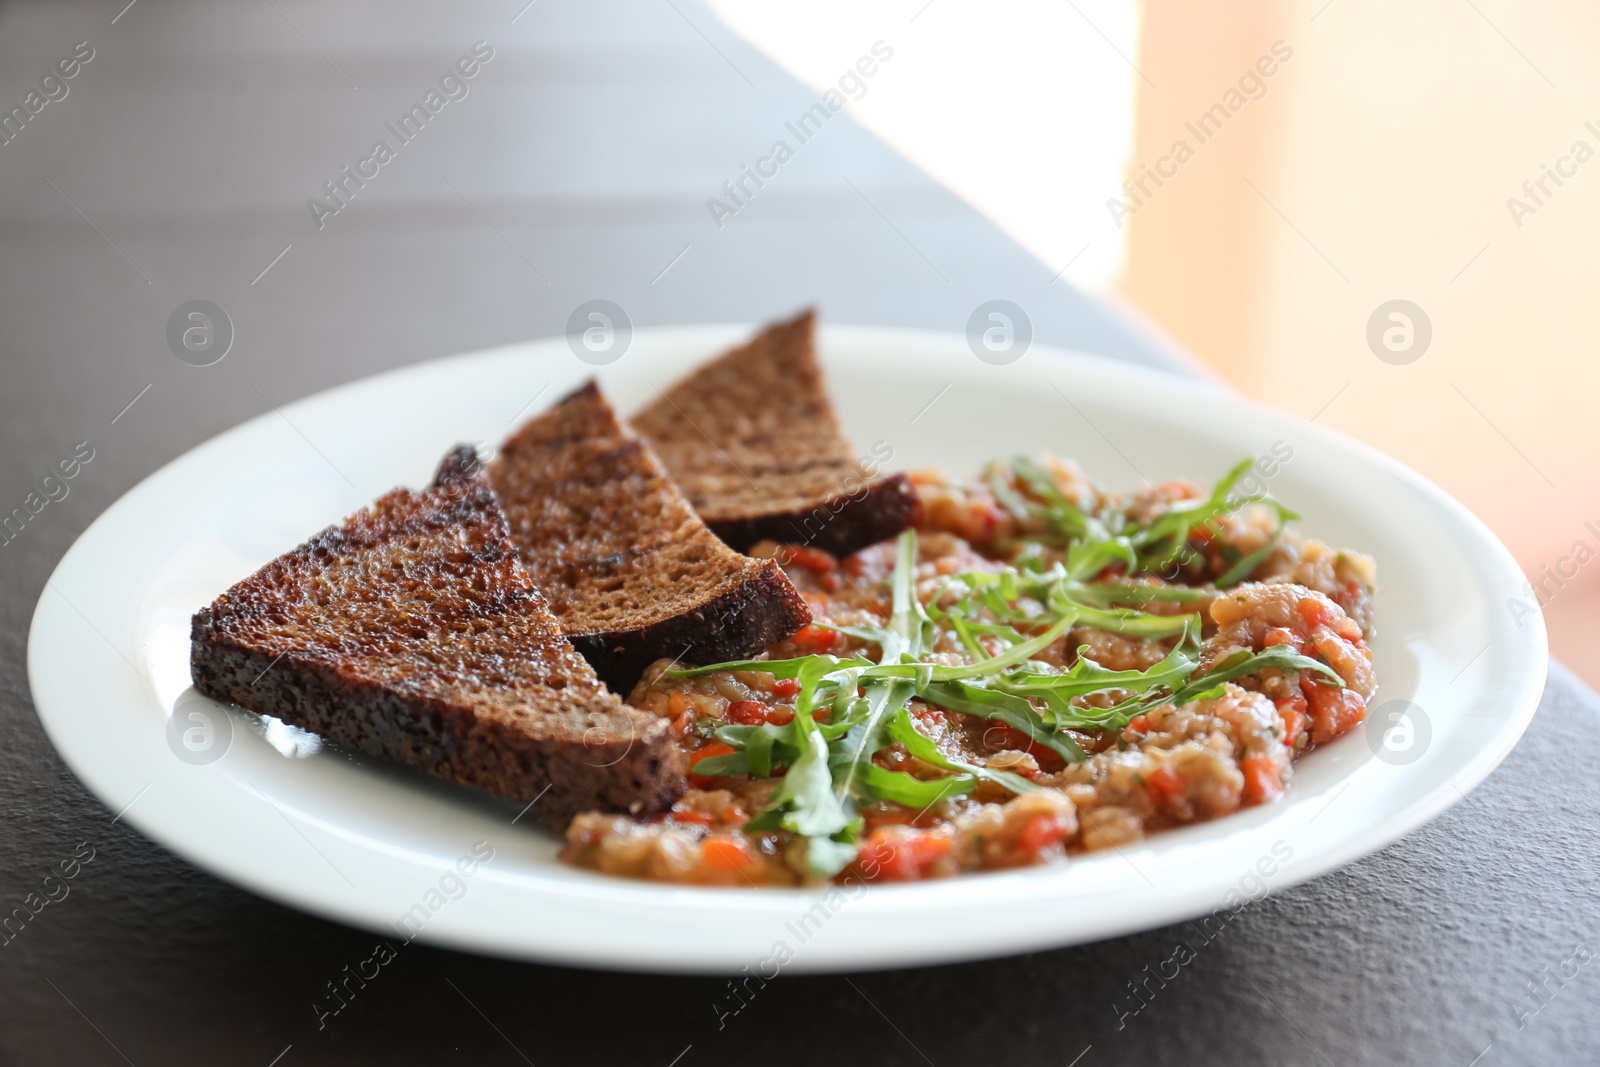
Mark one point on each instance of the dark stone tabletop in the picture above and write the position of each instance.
(576, 165)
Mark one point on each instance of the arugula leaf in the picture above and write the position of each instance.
(902, 788)
(1086, 676)
(924, 673)
(1014, 711)
(761, 746)
(1064, 518)
(1245, 566)
(1085, 559)
(827, 856)
(805, 804)
(1111, 594)
(830, 767)
(1241, 663)
(849, 763)
(904, 731)
(778, 668)
(726, 765)
(1062, 596)
(1165, 539)
(910, 632)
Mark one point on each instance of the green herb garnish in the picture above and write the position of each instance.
(1003, 620)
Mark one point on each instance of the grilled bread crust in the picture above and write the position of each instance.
(629, 571)
(412, 633)
(752, 440)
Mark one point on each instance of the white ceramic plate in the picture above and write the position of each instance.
(367, 844)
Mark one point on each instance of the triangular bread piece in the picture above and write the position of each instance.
(629, 570)
(752, 441)
(412, 633)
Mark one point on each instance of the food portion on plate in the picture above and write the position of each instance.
(752, 440)
(626, 565)
(892, 678)
(411, 632)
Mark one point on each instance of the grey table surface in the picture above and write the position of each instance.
(178, 166)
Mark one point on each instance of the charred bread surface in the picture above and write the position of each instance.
(412, 633)
(752, 440)
(629, 571)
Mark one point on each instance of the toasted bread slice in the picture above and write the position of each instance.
(752, 441)
(412, 633)
(630, 572)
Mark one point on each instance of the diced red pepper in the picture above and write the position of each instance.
(1334, 711)
(1293, 710)
(1261, 782)
(1139, 724)
(902, 857)
(786, 687)
(1280, 635)
(815, 639)
(1040, 832)
(754, 713)
(988, 514)
(747, 712)
(812, 559)
(1164, 783)
(724, 853)
(1316, 612)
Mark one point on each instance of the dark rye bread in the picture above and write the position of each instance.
(753, 442)
(630, 572)
(411, 632)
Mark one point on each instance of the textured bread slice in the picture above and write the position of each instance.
(412, 633)
(629, 570)
(752, 441)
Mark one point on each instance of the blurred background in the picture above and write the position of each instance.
(1375, 163)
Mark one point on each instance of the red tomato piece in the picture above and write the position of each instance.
(901, 857)
(1165, 783)
(1334, 711)
(697, 818)
(786, 687)
(1261, 783)
(1293, 710)
(1040, 832)
(724, 853)
(1315, 612)
(1280, 635)
(812, 559)
(747, 712)
(815, 639)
